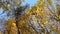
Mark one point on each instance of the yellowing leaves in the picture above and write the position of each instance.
(35, 15)
(0, 5)
(0, 32)
(34, 19)
(12, 20)
(49, 13)
(9, 7)
(59, 17)
(50, 2)
(13, 24)
(5, 2)
(46, 22)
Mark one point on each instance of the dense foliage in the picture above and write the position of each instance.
(42, 18)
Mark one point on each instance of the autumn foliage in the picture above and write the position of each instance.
(39, 19)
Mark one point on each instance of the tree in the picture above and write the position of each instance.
(11, 27)
(42, 18)
(16, 8)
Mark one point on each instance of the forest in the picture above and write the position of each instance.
(42, 18)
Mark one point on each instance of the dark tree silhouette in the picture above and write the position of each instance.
(17, 14)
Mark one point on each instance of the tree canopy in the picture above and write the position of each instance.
(42, 18)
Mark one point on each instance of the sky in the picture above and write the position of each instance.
(30, 2)
(1, 10)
